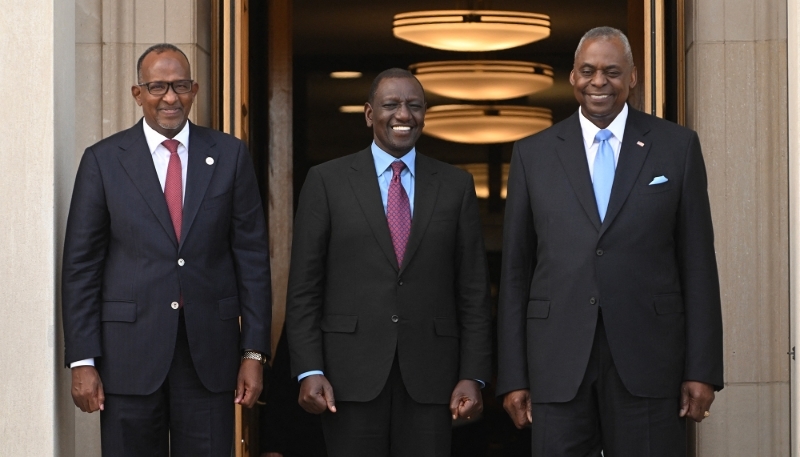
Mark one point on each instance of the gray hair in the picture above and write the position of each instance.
(158, 49)
(607, 33)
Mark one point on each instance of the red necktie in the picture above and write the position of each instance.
(173, 187)
(398, 212)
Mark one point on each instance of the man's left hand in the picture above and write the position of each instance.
(696, 399)
(466, 399)
(250, 383)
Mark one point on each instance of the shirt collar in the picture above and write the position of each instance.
(154, 138)
(617, 126)
(383, 159)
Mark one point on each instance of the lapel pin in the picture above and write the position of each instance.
(640, 144)
(209, 161)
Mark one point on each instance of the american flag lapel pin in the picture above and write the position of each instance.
(640, 144)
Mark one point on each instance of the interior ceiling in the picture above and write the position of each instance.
(357, 35)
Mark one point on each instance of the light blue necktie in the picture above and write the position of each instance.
(603, 176)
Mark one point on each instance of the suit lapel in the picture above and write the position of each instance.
(631, 159)
(135, 157)
(426, 187)
(198, 175)
(572, 154)
(364, 181)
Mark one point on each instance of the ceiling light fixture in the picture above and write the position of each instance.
(480, 176)
(471, 30)
(483, 79)
(351, 109)
(345, 74)
(480, 124)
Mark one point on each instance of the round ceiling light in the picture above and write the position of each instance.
(471, 30)
(483, 79)
(480, 124)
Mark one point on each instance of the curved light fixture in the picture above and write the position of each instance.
(480, 124)
(471, 30)
(483, 79)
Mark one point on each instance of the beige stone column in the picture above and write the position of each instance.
(37, 131)
(793, 65)
(736, 100)
(109, 37)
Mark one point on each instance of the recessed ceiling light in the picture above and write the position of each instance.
(346, 74)
(351, 109)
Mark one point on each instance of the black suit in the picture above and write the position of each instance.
(650, 265)
(352, 313)
(123, 267)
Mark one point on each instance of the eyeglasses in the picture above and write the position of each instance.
(183, 86)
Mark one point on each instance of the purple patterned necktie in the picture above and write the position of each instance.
(398, 212)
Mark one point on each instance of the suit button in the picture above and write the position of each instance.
(181, 262)
(400, 282)
(175, 305)
(395, 318)
(592, 301)
(599, 252)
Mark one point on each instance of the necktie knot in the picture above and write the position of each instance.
(397, 168)
(603, 135)
(171, 145)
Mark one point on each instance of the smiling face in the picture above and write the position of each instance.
(601, 79)
(396, 115)
(166, 114)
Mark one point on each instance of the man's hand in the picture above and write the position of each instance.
(87, 389)
(696, 399)
(517, 404)
(316, 394)
(466, 399)
(250, 383)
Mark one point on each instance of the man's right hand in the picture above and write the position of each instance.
(316, 394)
(87, 389)
(517, 404)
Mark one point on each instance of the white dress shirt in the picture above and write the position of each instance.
(161, 162)
(617, 128)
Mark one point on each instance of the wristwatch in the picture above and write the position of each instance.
(255, 355)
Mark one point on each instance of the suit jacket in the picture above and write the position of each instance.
(350, 308)
(121, 268)
(650, 264)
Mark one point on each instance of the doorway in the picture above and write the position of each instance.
(356, 35)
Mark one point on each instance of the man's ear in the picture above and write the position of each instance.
(136, 91)
(572, 77)
(633, 78)
(368, 114)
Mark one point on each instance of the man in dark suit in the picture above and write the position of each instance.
(609, 321)
(388, 303)
(165, 249)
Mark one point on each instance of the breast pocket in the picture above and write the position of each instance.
(214, 202)
(648, 188)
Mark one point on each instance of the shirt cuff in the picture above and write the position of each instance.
(483, 384)
(82, 363)
(307, 374)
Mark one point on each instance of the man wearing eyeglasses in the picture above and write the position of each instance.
(165, 250)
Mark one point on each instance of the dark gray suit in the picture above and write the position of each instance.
(650, 265)
(123, 267)
(370, 325)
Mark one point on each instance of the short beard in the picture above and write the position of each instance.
(168, 127)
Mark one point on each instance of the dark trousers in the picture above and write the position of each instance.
(180, 419)
(604, 416)
(391, 425)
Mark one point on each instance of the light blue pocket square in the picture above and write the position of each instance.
(658, 180)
